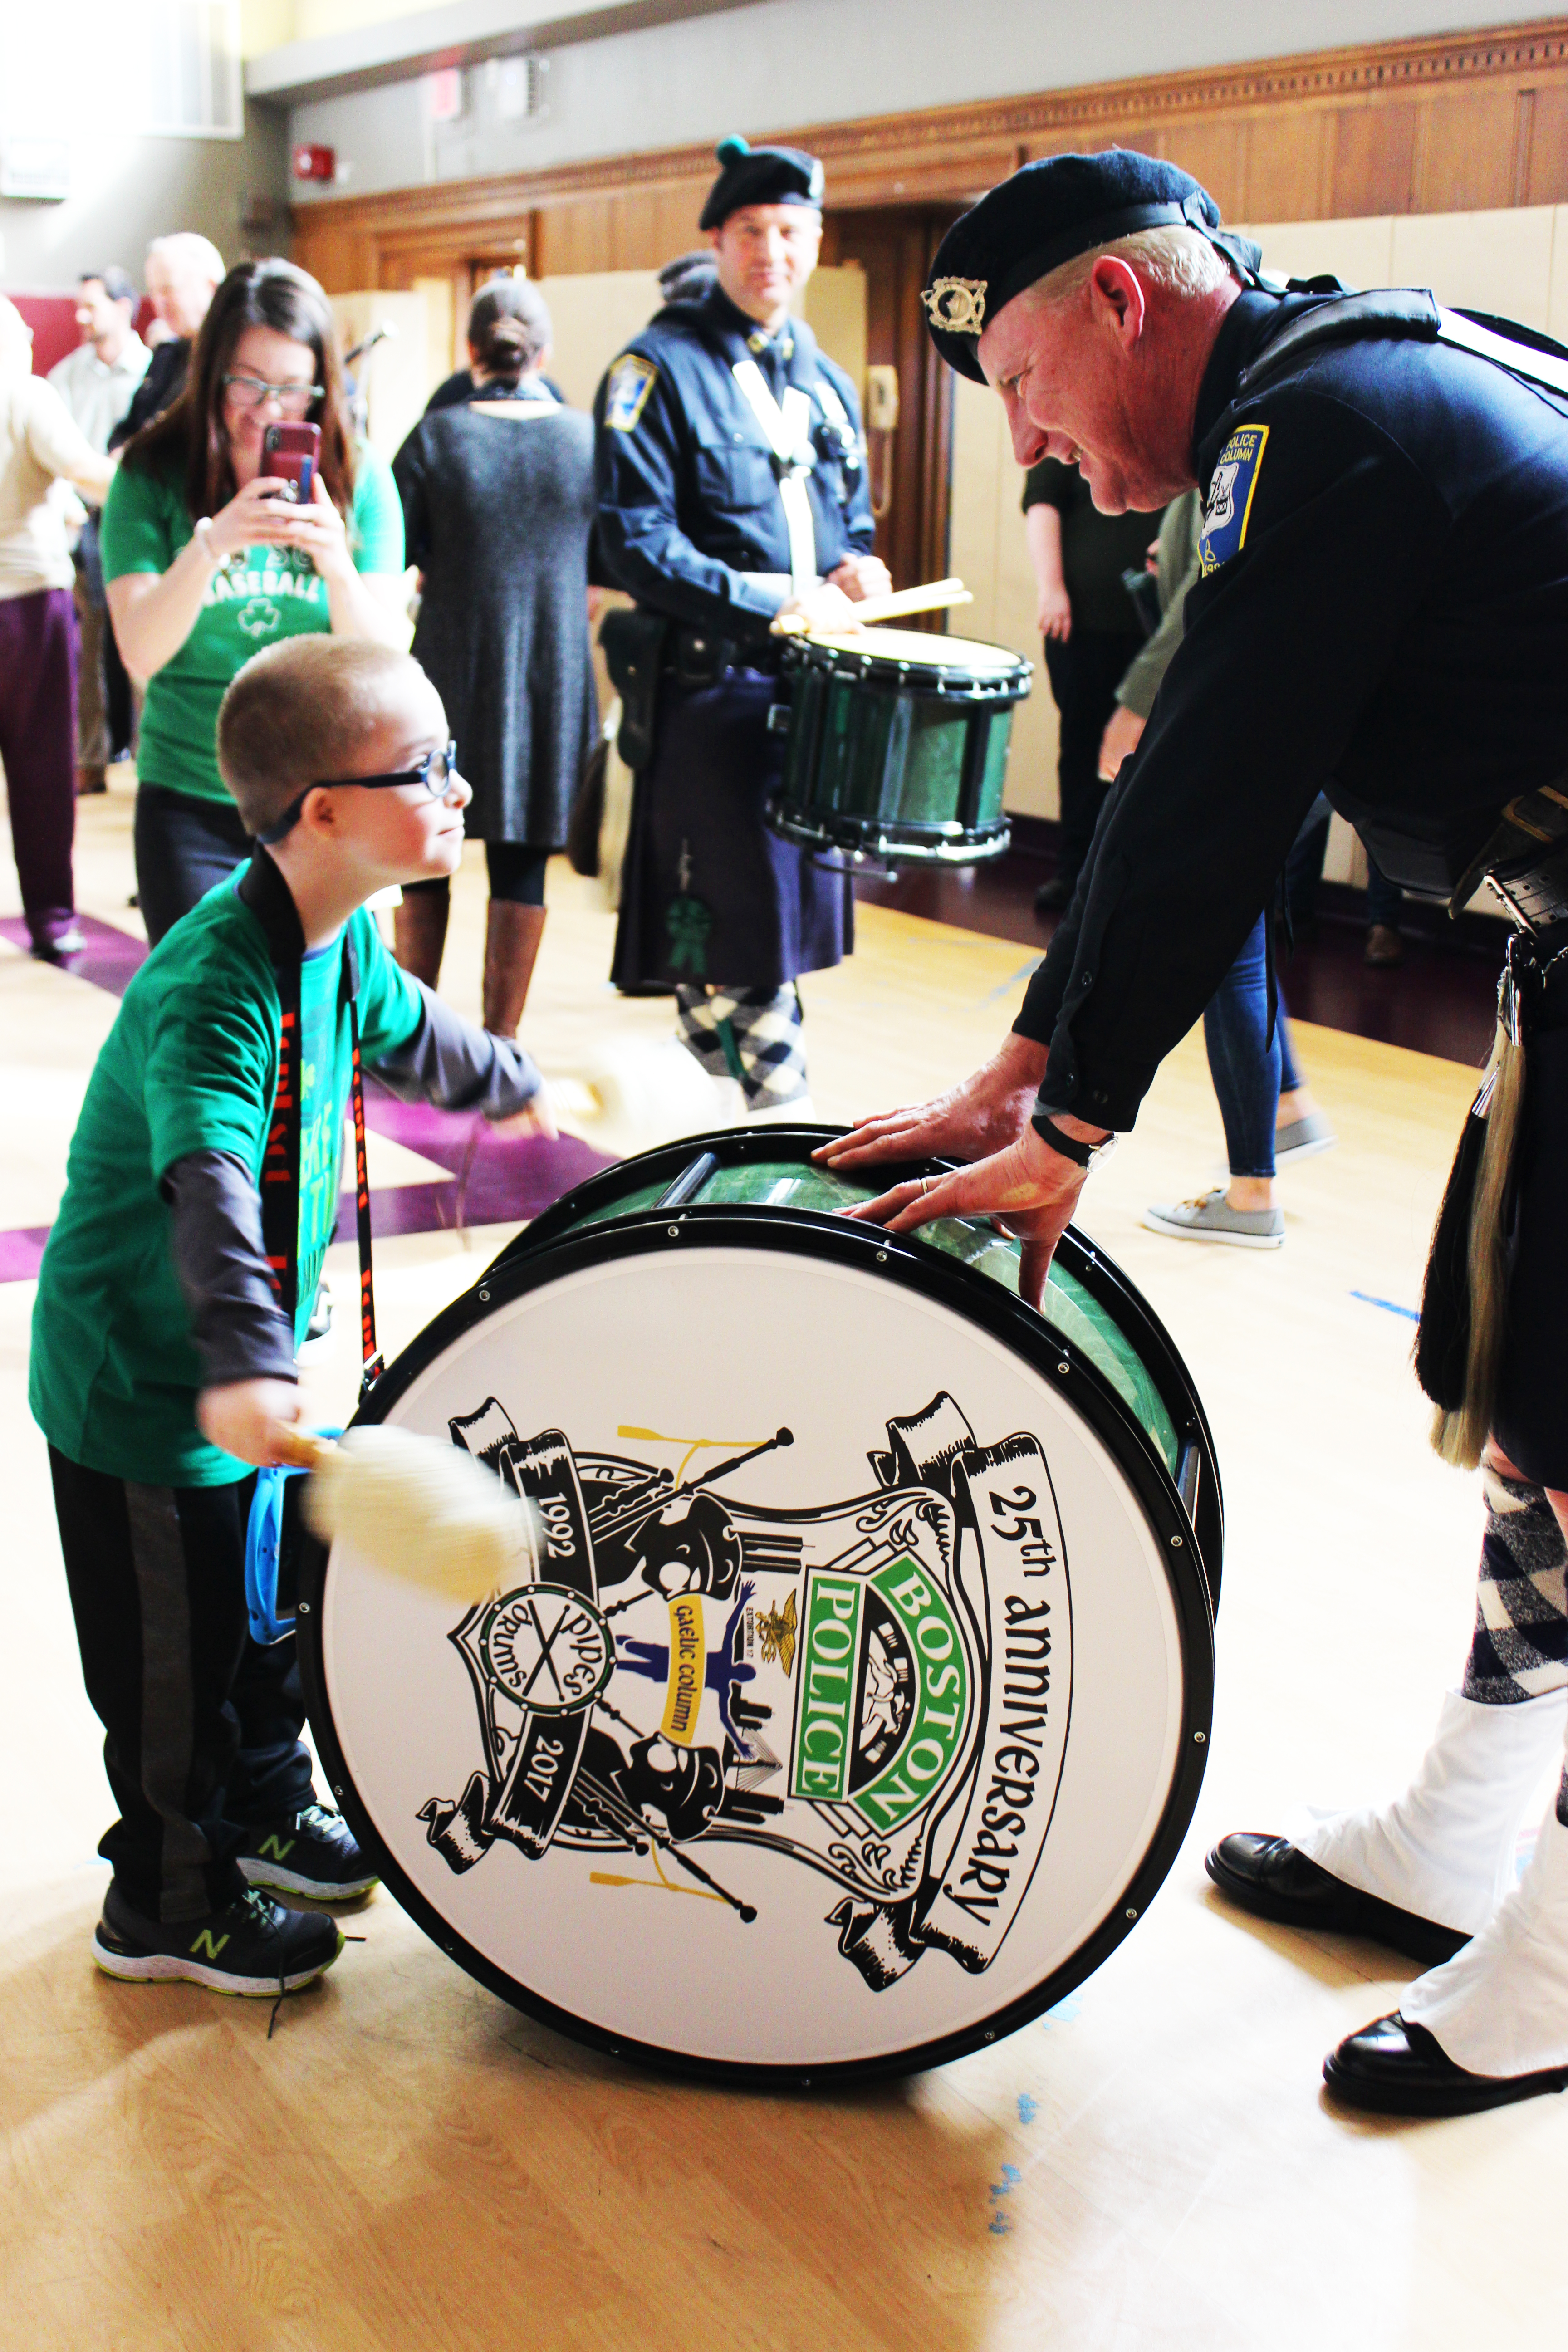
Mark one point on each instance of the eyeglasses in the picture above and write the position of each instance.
(436, 772)
(292, 399)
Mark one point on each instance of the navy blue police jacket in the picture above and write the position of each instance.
(689, 502)
(1382, 615)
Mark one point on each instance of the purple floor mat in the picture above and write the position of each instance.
(109, 961)
(489, 1180)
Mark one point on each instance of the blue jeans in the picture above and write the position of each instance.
(1251, 1069)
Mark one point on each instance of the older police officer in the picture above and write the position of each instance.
(731, 486)
(1382, 615)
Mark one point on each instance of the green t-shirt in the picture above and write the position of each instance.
(258, 597)
(191, 1065)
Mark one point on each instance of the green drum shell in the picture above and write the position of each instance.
(894, 758)
(1109, 1334)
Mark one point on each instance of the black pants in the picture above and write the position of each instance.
(184, 845)
(202, 1725)
(1085, 672)
(515, 872)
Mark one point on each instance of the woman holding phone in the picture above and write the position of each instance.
(209, 556)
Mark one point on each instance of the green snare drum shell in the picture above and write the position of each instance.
(899, 749)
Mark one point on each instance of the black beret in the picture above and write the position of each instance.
(1045, 215)
(761, 176)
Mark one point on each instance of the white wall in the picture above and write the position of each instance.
(780, 62)
(127, 191)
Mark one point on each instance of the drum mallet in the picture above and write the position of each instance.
(935, 598)
(417, 1507)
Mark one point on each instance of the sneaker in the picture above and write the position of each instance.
(1053, 896)
(255, 1948)
(1385, 947)
(54, 946)
(1209, 1218)
(311, 1853)
(1303, 1137)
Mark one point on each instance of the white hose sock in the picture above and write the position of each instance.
(1444, 1849)
(1500, 2005)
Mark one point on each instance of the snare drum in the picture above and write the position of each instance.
(898, 745)
(856, 1699)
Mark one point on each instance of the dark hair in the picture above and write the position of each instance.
(509, 328)
(190, 436)
(114, 282)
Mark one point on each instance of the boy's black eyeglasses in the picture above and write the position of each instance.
(435, 772)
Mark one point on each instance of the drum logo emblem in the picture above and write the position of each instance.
(548, 1648)
(876, 1691)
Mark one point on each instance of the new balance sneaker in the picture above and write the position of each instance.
(312, 1853)
(1210, 1218)
(255, 1948)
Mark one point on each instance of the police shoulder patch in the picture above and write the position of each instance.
(631, 380)
(1223, 533)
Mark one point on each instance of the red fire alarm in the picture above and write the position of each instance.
(315, 162)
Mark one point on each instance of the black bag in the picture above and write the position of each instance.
(588, 813)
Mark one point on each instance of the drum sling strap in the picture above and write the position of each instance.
(784, 425)
(272, 1531)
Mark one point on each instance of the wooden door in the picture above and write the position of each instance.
(895, 245)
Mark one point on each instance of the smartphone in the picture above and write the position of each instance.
(293, 453)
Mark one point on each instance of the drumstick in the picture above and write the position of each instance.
(417, 1507)
(935, 598)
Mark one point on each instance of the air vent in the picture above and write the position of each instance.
(514, 87)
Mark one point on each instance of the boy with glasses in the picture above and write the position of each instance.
(202, 1176)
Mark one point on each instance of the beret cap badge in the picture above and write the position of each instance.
(957, 305)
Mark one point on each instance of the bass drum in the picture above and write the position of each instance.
(855, 1699)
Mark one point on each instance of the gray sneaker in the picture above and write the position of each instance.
(1303, 1139)
(1210, 1219)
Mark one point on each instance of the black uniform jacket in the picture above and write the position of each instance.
(687, 492)
(1384, 617)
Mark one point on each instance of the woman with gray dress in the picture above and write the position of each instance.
(497, 502)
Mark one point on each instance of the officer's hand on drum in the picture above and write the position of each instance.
(1029, 1190)
(860, 576)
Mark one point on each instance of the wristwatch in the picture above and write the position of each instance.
(1072, 1146)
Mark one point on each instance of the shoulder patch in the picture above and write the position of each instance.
(1224, 532)
(631, 380)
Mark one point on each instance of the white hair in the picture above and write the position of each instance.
(1175, 258)
(190, 255)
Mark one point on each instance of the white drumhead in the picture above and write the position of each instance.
(930, 1753)
(914, 646)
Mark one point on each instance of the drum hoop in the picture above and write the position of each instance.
(893, 672)
(1100, 1276)
(913, 1264)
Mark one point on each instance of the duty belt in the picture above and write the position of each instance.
(1525, 860)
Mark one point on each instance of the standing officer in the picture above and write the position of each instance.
(1382, 614)
(731, 486)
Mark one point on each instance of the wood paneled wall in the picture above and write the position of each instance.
(1446, 124)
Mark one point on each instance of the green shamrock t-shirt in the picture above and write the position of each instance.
(252, 601)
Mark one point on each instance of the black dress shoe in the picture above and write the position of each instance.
(1267, 1876)
(1053, 896)
(1396, 2069)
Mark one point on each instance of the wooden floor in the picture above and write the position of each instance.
(406, 2163)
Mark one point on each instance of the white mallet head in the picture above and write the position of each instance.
(423, 1510)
